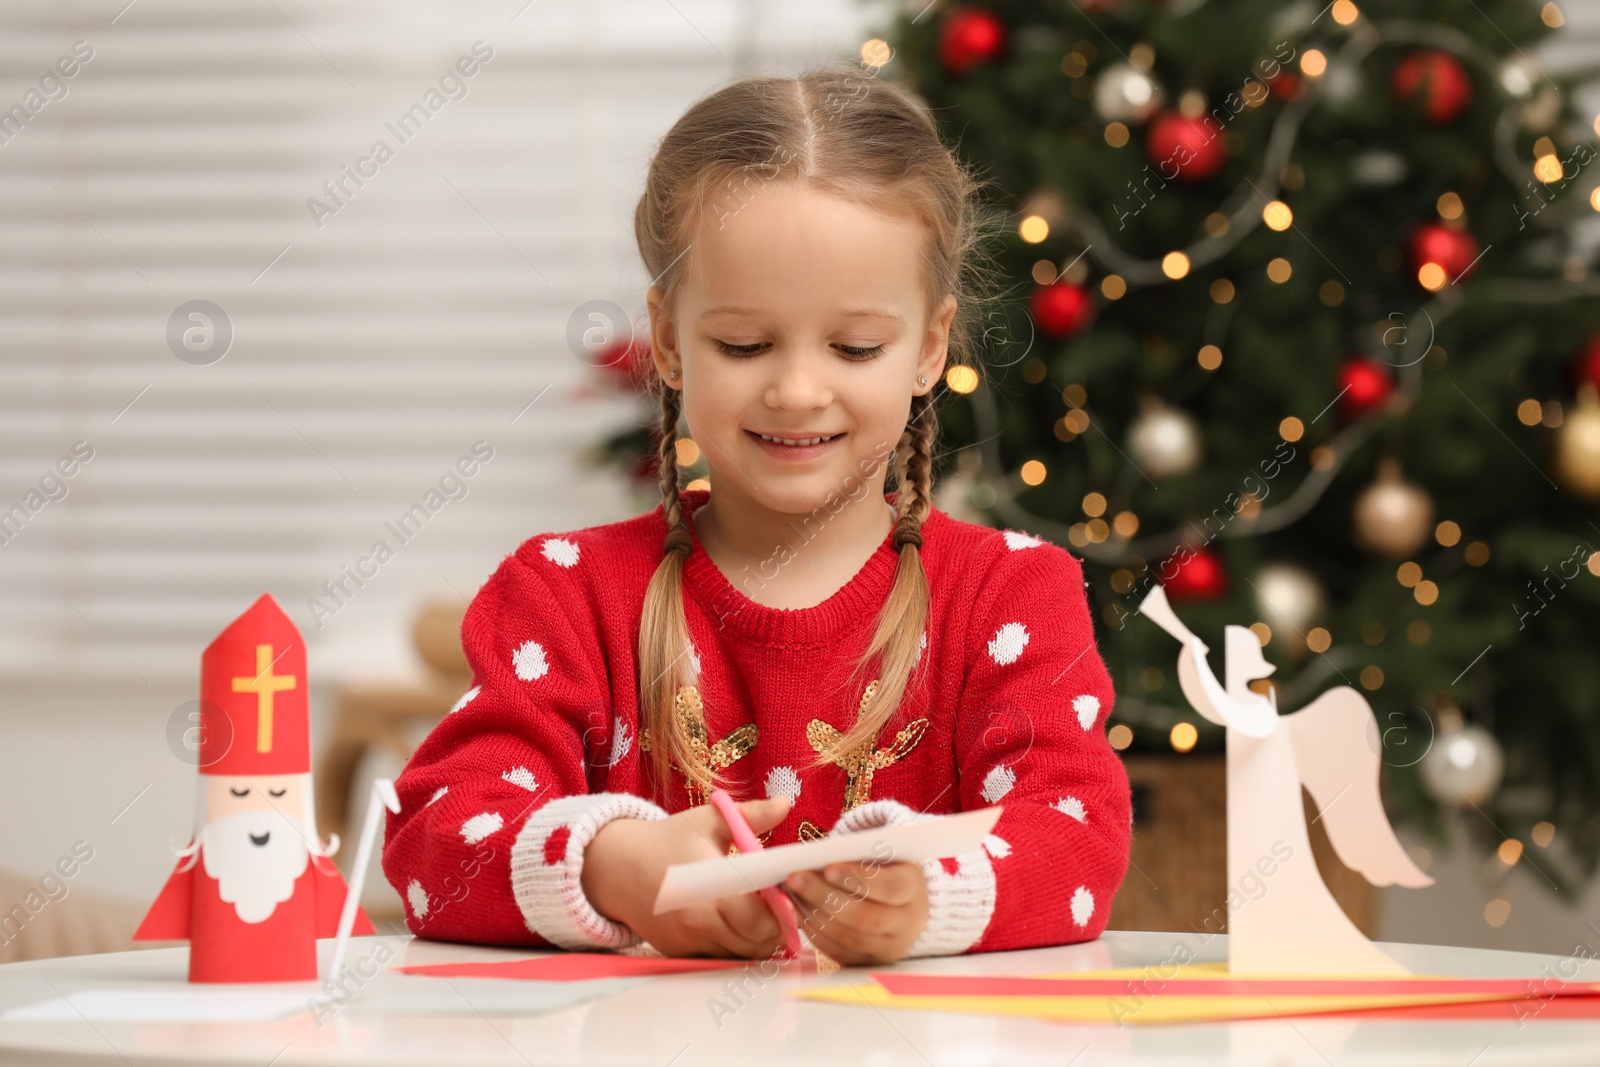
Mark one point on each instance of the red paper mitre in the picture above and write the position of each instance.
(253, 709)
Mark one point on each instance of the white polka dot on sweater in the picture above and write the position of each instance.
(998, 782)
(417, 897)
(521, 776)
(1008, 643)
(560, 551)
(437, 793)
(997, 846)
(466, 698)
(1088, 708)
(621, 742)
(1082, 905)
(783, 780)
(529, 661)
(924, 644)
(1070, 805)
(481, 826)
(694, 657)
(1016, 541)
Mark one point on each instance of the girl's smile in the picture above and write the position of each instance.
(796, 447)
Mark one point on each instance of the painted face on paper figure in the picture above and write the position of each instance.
(253, 842)
(801, 316)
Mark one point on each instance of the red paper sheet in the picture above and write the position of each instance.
(963, 985)
(572, 967)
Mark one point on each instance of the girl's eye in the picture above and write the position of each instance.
(852, 351)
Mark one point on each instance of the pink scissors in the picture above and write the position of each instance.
(776, 898)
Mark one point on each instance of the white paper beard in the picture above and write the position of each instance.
(254, 878)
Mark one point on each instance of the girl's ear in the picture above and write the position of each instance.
(663, 338)
(936, 345)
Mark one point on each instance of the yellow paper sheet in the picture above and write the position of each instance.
(1147, 1006)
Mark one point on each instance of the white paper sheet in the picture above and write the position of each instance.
(930, 837)
(389, 994)
(194, 1004)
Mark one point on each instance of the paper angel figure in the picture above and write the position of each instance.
(254, 888)
(1282, 919)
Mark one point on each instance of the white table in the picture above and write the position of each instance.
(668, 1022)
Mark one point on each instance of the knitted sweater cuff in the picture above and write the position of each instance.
(547, 868)
(960, 904)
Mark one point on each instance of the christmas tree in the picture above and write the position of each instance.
(1302, 333)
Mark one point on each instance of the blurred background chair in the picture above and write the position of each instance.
(379, 719)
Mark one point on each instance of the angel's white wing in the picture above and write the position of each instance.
(1339, 767)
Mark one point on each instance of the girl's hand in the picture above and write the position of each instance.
(625, 862)
(863, 913)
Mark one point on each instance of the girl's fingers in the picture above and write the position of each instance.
(829, 910)
(893, 883)
(749, 918)
(851, 947)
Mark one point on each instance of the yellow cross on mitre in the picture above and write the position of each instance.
(263, 685)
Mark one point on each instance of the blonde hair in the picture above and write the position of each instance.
(841, 130)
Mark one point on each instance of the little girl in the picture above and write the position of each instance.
(842, 657)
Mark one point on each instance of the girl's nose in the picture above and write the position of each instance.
(798, 382)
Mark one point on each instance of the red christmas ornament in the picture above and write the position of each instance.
(1587, 366)
(1452, 250)
(1183, 147)
(1286, 83)
(646, 468)
(1444, 85)
(1195, 574)
(970, 36)
(1365, 384)
(627, 362)
(1061, 309)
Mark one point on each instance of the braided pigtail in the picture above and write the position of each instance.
(901, 624)
(665, 665)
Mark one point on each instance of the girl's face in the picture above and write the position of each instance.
(802, 315)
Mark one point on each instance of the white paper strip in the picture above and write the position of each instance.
(930, 837)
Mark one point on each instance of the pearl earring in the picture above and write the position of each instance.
(922, 379)
(673, 375)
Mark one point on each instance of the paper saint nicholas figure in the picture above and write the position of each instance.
(1282, 919)
(254, 888)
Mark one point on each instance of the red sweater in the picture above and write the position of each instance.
(499, 801)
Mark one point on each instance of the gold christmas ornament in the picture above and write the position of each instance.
(1392, 517)
(1576, 446)
(1164, 441)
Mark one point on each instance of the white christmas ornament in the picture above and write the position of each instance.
(1517, 76)
(1295, 926)
(1288, 597)
(1463, 766)
(1164, 441)
(1377, 167)
(1122, 92)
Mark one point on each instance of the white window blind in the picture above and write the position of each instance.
(396, 208)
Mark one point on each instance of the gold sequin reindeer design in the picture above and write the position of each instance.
(716, 757)
(861, 763)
